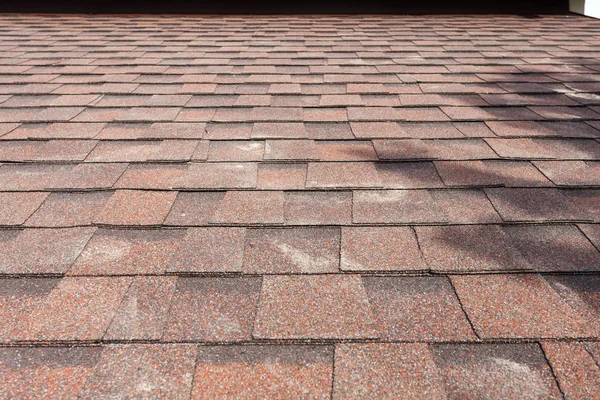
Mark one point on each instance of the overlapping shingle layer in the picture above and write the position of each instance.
(299, 207)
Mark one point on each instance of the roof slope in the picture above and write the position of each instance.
(299, 207)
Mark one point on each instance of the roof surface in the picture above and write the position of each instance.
(299, 207)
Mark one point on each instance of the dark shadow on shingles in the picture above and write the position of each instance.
(25, 286)
(573, 249)
(546, 252)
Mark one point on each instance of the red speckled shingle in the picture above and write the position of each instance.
(218, 176)
(194, 208)
(143, 313)
(291, 150)
(417, 309)
(136, 207)
(42, 251)
(296, 250)
(16, 207)
(575, 369)
(571, 173)
(342, 175)
(314, 307)
(230, 372)
(18, 298)
(469, 249)
(587, 201)
(69, 209)
(317, 208)
(519, 306)
(250, 207)
(582, 293)
(126, 251)
(380, 249)
(466, 206)
(281, 176)
(236, 151)
(495, 371)
(533, 205)
(490, 173)
(386, 371)
(408, 175)
(377, 130)
(332, 150)
(151, 176)
(395, 206)
(142, 370)
(554, 248)
(592, 232)
(59, 372)
(217, 249)
(77, 309)
(213, 309)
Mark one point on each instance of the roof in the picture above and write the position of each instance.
(299, 206)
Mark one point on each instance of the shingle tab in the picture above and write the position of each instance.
(417, 309)
(136, 207)
(495, 370)
(380, 249)
(217, 249)
(16, 207)
(42, 251)
(69, 209)
(213, 309)
(395, 206)
(554, 248)
(385, 371)
(250, 207)
(296, 250)
(263, 372)
(314, 307)
(576, 370)
(54, 372)
(491, 173)
(126, 251)
(141, 370)
(317, 208)
(519, 306)
(469, 248)
(529, 205)
(218, 176)
(77, 309)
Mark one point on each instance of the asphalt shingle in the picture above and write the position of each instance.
(494, 371)
(320, 307)
(414, 308)
(230, 372)
(213, 309)
(385, 371)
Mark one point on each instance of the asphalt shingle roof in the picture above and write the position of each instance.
(299, 207)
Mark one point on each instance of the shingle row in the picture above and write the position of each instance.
(301, 250)
(438, 371)
(299, 307)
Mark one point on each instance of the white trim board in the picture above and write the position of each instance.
(590, 8)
